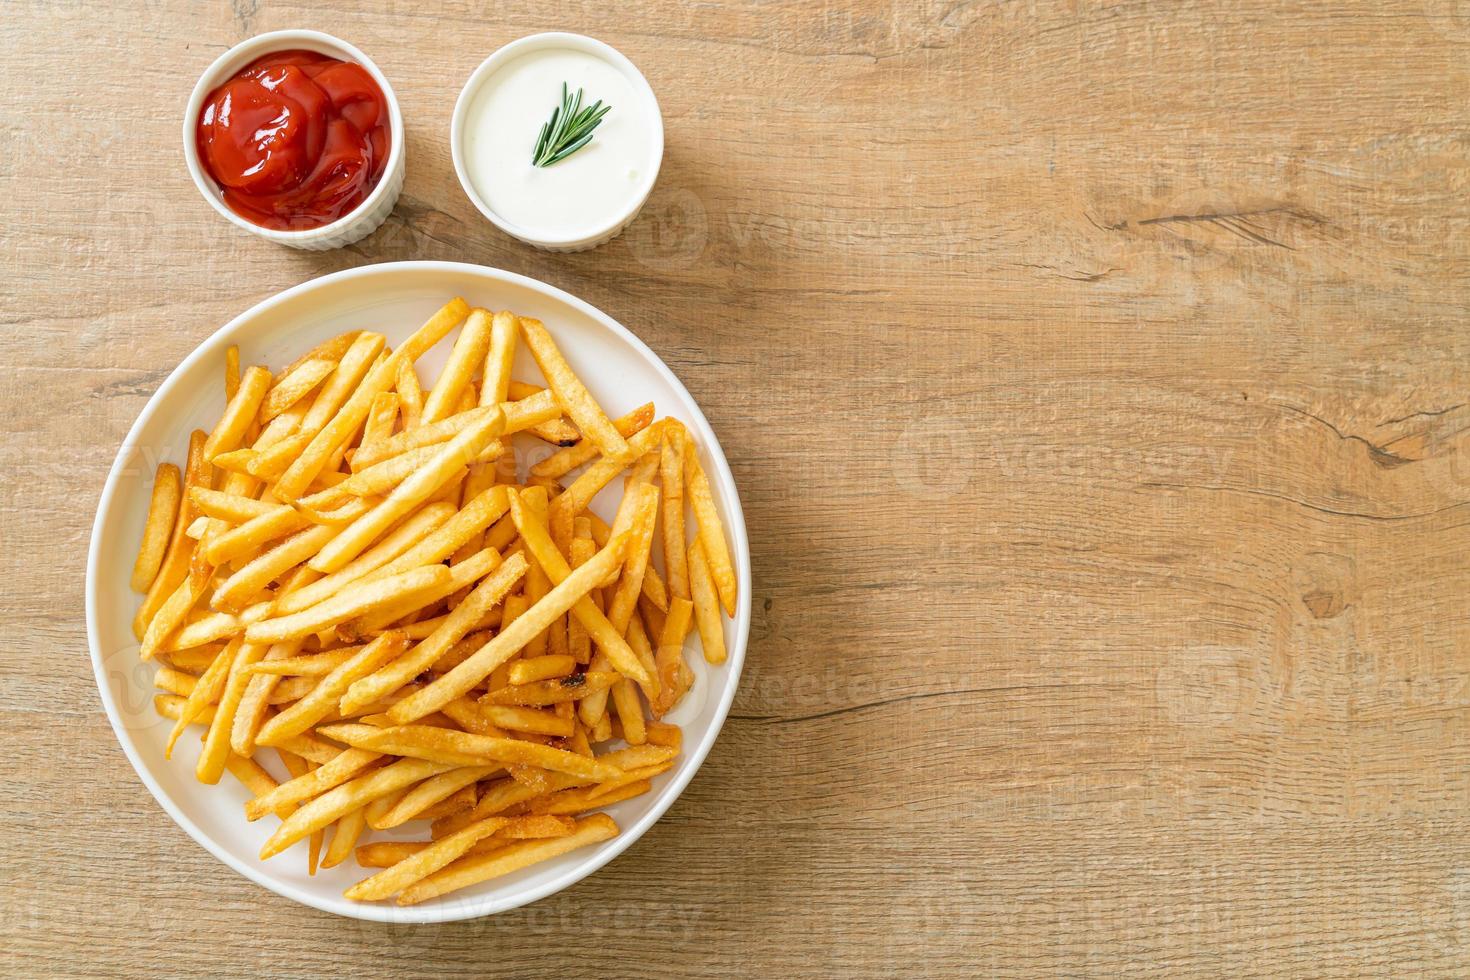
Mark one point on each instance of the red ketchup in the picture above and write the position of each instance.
(295, 139)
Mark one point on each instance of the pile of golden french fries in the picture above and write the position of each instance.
(348, 574)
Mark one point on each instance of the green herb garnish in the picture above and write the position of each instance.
(569, 129)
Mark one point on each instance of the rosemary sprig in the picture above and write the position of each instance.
(569, 129)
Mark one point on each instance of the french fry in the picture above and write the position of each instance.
(625, 597)
(176, 559)
(385, 854)
(605, 634)
(356, 362)
(495, 388)
(421, 628)
(578, 496)
(511, 638)
(462, 575)
(308, 665)
(536, 827)
(170, 617)
(215, 626)
(531, 720)
(381, 420)
(472, 870)
(328, 350)
(574, 397)
(643, 470)
(671, 474)
(295, 386)
(643, 647)
(630, 711)
(171, 706)
(342, 799)
(554, 691)
(197, 529)
(431, 791)
(563, 461)
(460, 651)
(270, 462)
(257, 699)
(217, 741)
(344, 766)
(239, 414)
(481, 477)
(652, 581)
(592, 708)
(382, 477)
(232, 371)
(410, 396)
(706, 604)
(315, 750)
(205, 693)
(456, 625)
(251, 774)
(605, 791)
(460, 802)
(537, 584)
(573, 801)
(297, 766)
(519, 416)
(352, 601)
(378, 809)
(195, 660)
(424, 862)
(711, 529)
(228, 507)
(307, 746)
(541, 668)
(471, 716)
(409, 532)
(557, 431)
(503, 533)
(244, 587)
(286, 690)
(537, 779)
(457, 748)
(250, 536)
(435, 547)
(324, 697)
(501, 796)
(235, 461)
(467, 355)
(673, 673)
(344, 837)
(163, 508)
(454, 455)
(664, 734)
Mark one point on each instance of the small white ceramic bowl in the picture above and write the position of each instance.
(596, 48)
(367, 216)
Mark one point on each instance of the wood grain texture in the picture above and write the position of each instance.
(1095, 377)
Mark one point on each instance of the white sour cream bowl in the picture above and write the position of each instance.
(590, 196)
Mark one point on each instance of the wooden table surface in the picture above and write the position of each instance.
(1095, 377)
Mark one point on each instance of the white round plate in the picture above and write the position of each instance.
(394, 299)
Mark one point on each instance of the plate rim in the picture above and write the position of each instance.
(465, 908)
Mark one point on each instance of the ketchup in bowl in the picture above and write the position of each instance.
(295, 140)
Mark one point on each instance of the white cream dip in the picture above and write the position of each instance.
(588, 191)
